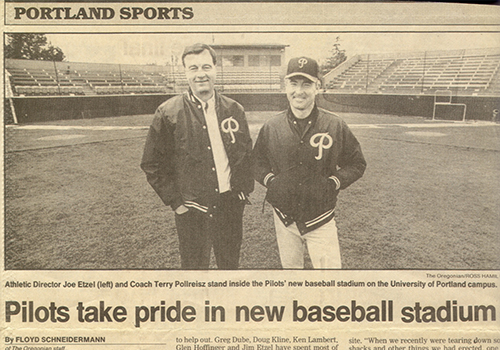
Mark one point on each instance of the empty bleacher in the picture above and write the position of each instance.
(465, 72)
(40, 81)
(41, 78)
(239, 81)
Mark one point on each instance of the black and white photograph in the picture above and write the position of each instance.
(252, 150)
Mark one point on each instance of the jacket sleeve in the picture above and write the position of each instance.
(351, 163)
(247, 182)
(158, 160)
(261, 165)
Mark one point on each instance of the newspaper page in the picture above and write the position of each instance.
(91, 253)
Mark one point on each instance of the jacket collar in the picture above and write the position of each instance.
(311, 120)
(312, 116)
(197, 101)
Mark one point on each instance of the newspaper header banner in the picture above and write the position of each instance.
(186, 14)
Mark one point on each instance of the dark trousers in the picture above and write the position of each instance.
(199, 231)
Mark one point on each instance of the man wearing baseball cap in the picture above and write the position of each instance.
(304, 156)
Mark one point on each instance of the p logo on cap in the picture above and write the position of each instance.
(302, 62)
(303, 66)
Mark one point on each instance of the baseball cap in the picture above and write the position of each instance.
(305, 66)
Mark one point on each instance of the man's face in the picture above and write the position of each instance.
(201, 74)
(301, 92)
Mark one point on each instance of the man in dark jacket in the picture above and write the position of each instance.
(196, 158)
(305, 156)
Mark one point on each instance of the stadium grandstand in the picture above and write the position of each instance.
(242, 68)
(397, 83)
(463, 72)
(43, 78)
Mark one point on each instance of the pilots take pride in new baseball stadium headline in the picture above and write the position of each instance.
(198, 157)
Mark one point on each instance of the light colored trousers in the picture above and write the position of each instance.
(322, 245)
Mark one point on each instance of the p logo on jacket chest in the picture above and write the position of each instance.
(230, 126)
(318, 140)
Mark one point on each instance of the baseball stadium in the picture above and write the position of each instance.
(427, 121)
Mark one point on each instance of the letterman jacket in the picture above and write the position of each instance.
(178, 159)
(304, 172)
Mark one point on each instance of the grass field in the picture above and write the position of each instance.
(76, 198)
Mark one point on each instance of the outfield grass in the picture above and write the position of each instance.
(429, 200)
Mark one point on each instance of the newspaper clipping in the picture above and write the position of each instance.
(250, 176)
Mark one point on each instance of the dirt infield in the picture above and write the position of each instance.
(76, 198)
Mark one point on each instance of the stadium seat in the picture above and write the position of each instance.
(425, 73)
